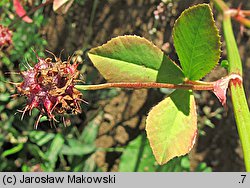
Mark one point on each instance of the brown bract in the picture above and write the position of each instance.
(221, 85)
(49, 87)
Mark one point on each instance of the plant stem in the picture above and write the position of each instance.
(240, 105)
(221, 5)
(243, 21)
(143, 85)
(241, 110)
(236, 14)
(246, 12)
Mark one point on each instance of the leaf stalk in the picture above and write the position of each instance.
(144, 85)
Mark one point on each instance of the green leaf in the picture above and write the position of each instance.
(185, 163)
(172, 126)
(134, 59)
(4, 97)
(13, 150)
(75, 147)
(175, 165)
(36, 151)
(40, 137)
(225, 64)
(90, 165)
(54, 149)
(137, 157)
(25, 168)
(197, 41)
(90, 132)
(202, 167)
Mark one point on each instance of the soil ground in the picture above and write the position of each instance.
(124, 115)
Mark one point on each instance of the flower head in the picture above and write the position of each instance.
(49, 87)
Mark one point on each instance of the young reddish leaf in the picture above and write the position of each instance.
(220, 87)
(57, 4)
(172, 126)
(21, 12)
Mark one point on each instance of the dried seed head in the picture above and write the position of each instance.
(5, 37)
(49, 87)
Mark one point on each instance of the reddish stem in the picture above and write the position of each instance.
(246, 12)
(138, 85)
(242, 20)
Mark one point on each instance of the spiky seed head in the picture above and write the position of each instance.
(49, 87)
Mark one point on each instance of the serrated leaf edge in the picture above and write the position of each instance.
(214, 25)
(161, 162)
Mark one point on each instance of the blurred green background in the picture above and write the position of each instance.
(109, 135)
